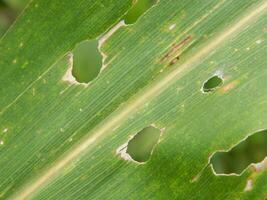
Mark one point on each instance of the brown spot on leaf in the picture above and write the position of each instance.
(173, 54)
(249, 185)
(229, 86)
(174, 60)
(259, 167)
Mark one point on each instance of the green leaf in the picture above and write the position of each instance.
(62, 140)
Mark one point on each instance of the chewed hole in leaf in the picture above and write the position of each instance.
(138, 9)
(140, 147)
(87, 61)
(250, 151)
(212, 84)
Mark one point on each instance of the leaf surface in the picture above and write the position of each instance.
(60, 139)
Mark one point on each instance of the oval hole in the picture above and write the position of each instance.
(140, 147)
(212, 84)
(87, 61)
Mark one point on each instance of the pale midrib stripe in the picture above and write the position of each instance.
(121, 115)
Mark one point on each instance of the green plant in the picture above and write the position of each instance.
(62, 139)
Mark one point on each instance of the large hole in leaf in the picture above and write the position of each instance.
(87, 61)
(140, 147)
(250, 151)
(212, 84)
(138, 9)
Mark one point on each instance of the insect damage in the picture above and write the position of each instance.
(174, 54)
